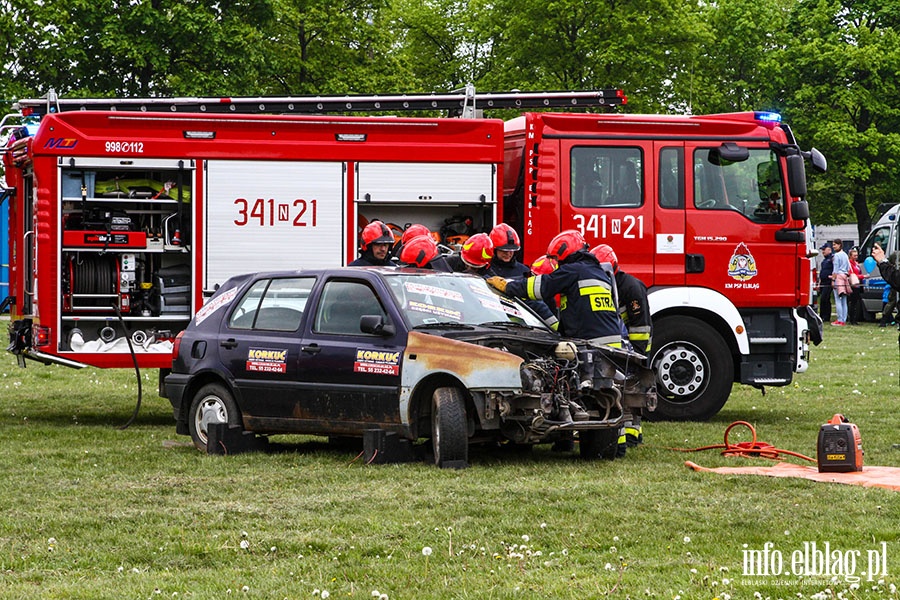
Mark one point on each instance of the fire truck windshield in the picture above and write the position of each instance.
(753, 187)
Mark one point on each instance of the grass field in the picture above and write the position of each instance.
(93, 511)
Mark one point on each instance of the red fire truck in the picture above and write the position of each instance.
(125, 214)
(708, 211)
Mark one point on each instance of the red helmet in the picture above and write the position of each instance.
(419, 251)
(414, 230)
(544, 265)
(605, 254)
(565, 244)
(505, 237)
(477, 251)
(376, 232)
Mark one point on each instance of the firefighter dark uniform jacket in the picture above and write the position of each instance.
(367, 259)
(634, 309)
(514, 270)
(587, 304)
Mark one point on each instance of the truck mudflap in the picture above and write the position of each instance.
(813, 322)
(20, 344)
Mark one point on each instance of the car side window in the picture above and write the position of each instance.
(273, 304)
(341, 306)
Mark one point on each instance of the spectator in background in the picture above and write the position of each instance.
(825, 271)
(854, 300)
(840, 282)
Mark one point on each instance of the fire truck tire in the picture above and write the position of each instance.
(694, 370)
(449, 431)
(598, 443)
(212, 404)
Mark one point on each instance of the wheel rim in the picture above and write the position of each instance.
(210, 412)
(436, 431)
(682, 372)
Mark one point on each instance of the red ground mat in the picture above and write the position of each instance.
(883, 477)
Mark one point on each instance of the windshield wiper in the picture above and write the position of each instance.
(507, 324)
(444, 325)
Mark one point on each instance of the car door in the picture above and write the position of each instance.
(259, 344)
(349, 380)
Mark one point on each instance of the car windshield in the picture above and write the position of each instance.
(454, 300)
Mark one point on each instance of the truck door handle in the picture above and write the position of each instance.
(229, 343)
(694, 263)
(311, 349)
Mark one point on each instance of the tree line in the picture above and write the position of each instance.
(828, 66)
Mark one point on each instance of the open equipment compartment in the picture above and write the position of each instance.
(125, 253)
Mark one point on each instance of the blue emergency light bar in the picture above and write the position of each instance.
(767, 117)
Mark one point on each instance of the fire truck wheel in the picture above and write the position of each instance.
(694, 370)
(598, 443)
(212, 404)
(449, 433)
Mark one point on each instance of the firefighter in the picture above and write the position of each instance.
(375, 245)
(422, 252)
(634, 309)
(504, 264)
(587, 301)
(475, 256)
(506, 244)
(412, 230)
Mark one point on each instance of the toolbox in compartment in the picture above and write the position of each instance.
(174, 286)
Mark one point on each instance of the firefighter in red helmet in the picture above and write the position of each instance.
(375, 244)
(475, 256)
(587, 296)
(420, 251)
(506, 244)
(634, 309)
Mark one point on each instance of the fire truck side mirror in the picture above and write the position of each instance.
(800, 210)
(796, 172)
(817, 159)
(729, 152)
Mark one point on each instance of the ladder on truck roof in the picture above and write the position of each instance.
(462, 103)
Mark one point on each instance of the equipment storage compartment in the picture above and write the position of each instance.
(125, 260)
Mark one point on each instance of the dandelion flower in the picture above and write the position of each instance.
(426, 551)
(525, 538)
(245, 589)
(325, 594)
(245, 544)
(687, 540)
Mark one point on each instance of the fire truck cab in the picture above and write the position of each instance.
(708, 211)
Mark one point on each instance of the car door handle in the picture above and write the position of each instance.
(312, 349)
(229, 343)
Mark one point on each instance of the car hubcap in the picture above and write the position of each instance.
(211, 412)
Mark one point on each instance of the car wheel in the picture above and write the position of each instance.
(598, 443)
(694, 370)
(449, 433)
(211, 405)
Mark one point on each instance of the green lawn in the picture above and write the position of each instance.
(93, 511)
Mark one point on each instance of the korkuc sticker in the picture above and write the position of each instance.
(377, 362)
(267, 360)
(215, 304)
(742, 266)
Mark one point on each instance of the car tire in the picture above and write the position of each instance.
(212, 404)
(449, 432)
(598, 443)
(694, 370)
